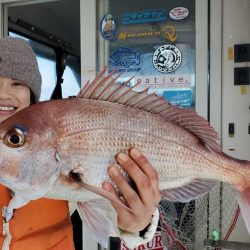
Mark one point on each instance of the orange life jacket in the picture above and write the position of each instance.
(40, 225)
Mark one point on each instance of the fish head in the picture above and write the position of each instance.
(27, 151)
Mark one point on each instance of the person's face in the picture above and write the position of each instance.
(14, 96)
(109, 20)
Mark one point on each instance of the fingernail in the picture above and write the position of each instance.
(122, 157)
(106, 186)
(135, 152)
(113, 171)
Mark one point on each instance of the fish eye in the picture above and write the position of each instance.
(14, 138)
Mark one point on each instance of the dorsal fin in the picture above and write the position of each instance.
(104, 88)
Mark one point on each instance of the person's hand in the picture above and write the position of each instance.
(142, 202)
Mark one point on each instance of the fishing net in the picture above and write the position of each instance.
(187, 225)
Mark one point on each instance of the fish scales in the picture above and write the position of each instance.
(103, 129)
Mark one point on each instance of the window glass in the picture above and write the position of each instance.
(70, 85)
(47, 67)
(154, 42)
(48, 72)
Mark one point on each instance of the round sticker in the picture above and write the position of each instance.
(108, 27)
(179, 13)
(167, 58)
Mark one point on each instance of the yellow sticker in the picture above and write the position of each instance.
(243, 90)
(230, 54)
(166, 31)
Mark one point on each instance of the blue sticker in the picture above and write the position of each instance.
(146, 16)
(108, 27)
(180, 97)
(125, 57)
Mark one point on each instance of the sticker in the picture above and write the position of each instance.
(166, 31)
(167, 58)
(179, 97)
(179, 13)
(108, 27)
(243, 90)
(230, 54)
(124, 70)
(171, 81)
(147, 16)
(169, 32)
(125, 57)
(158, 83)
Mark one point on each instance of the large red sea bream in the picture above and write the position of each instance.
(61, 149)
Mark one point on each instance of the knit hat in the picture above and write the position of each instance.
(18, 61)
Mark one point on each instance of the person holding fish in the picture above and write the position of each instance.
(45, 223)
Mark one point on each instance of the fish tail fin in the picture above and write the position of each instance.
(243, 195)
(244, 203)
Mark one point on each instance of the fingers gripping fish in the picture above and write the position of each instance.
(60, 149)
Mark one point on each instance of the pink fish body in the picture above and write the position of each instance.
(61, 149)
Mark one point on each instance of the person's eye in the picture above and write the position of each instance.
(16, 83)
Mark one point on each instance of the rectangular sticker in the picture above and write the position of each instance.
(145, 16)
(173, 81)
(179, 97)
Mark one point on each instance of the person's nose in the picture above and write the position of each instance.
(5, 92)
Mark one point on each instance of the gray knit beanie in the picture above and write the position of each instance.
(18, 61)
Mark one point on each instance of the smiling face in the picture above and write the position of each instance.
(14, 96)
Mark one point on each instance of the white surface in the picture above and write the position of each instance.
(235, 106)
(201, 57)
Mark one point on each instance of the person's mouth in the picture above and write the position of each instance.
(6, 110)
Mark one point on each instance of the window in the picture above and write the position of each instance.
(46, 62)
(154, 42)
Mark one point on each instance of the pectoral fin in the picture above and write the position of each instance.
(102, 192)
(97, 190)
(100, 225)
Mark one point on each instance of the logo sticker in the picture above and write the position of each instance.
(146, 16)
(166, 31)
(179, 97)
(163, 82)
(179, 13)
(108, 27)
(167, 58)
(125, 57)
